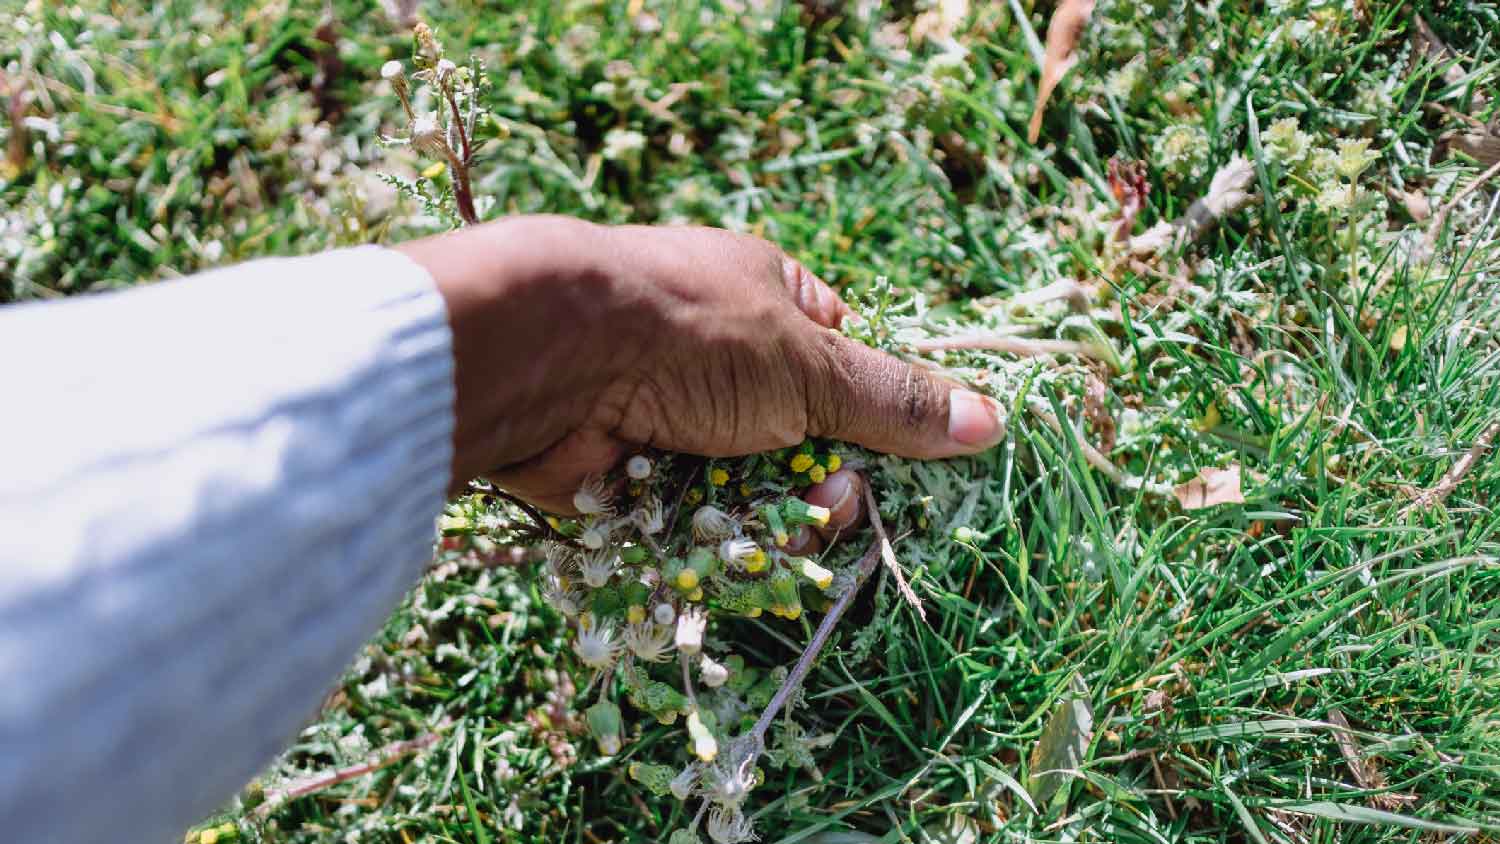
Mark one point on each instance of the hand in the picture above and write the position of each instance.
(576, 344)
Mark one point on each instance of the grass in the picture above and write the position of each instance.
(1219, 652)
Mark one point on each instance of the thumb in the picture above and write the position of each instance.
(885, 404)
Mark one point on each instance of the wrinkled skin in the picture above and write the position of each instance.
(577, 344)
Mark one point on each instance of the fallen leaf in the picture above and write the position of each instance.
(1482, 145)
(1063, 744)
(1063, 33)
(1128, 183)
(1212, 486)
(1414, 201)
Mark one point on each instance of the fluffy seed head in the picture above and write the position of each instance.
(593, 498)
(729, 826)
(597, 568)
(596, 645)
(649, 642)
(638, 468)
(711, 524)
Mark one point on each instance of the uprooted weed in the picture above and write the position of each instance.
(1299, 646)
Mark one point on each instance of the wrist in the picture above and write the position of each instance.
(528, 302)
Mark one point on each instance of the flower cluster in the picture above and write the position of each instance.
(441, 125)
(659, 553)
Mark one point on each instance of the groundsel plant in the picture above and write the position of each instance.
(441, 119)
(664, 552)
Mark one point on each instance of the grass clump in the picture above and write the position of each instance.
(1231, 577)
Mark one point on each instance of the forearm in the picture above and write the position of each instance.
(214, 491)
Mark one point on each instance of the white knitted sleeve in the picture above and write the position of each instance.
(212, 491)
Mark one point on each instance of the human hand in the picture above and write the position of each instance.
(576, 344)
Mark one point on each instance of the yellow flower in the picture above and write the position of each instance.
(696, 594)
(635, 614)
(745, 490)
(756, 561)
(718, 477)
(687, 579)
(801, 463)
(834, 462)
(817, 474)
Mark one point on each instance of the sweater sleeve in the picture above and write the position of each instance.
(212, 491)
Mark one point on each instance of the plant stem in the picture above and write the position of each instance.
(820, 638)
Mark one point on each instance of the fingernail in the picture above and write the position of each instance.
(975, 421)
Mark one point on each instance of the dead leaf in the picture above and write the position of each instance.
(1482, 145)
(1364, 770)
(1211, 487)
(1063, 33)
(1096, 411)
(1128, 183)
(1064, 742)
(1414, 201)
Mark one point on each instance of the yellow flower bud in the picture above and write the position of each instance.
(635, 614)
(802, 462)
(817, 474)
(834, 462)
(756, 561)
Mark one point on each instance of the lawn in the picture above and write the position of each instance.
(1233, 575)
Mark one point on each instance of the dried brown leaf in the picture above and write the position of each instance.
(1063, 33)
(1482, 145)
(1064, 743)
(1210, 487)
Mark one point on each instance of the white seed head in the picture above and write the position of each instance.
(596, 534)
(391, 71)
(649, 517)
(596, 645)
(426, 131)
(593, 498)
(562, 561)
(728, 782)
(638, 468)
(729, 826)
(682, 784)
(710, 524)
(649, 642)
(713, 674)
(597, 568)
(445, 69)
(738, 550)
(690, 626)
(560, 597)
(664, 613)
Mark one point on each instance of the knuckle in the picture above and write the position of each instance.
(827, 366)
